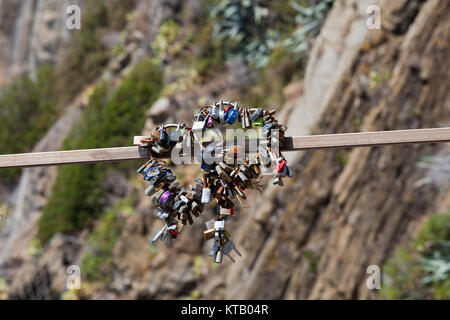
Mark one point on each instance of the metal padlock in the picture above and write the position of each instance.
(176, 136)
(163, 137)
(210, 224)
(221, 172)
(158, 195)
(219, 225)
(198, 124)
(218, 257)
(242, 176)
(215, 112)
(159, 234)
(206, 195)
(231, 116)
(166, 198)
(150, 190)
(224, 212)
(258, 122)
(155, 133)
(209, 122)
(228, 247)
(255, 115)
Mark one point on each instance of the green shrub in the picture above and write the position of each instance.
(77, 195)
(86, 55)
(27, 110)
(421, 270)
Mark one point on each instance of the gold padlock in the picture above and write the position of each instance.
(209, 234)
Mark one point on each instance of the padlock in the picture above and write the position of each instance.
(224, 212)
(221, 172)
(184, 208)
(155, 133)
(150, 190)
(280, 164)
(209, 122)
(219, 225)
(210, 224)
(176, 136)
(158, 234)
(163, 137)
(228, 247)
(206, 195)
(218, 257)
(242, 176)
(239, 192)
(221, 115)
(255, 115)
(248, 123)
(258, 122)
(152, 171)
(163, 215)
(188, 138)
(266, 129)
(158, 195)
(264, 156)
(208, 234)
(166, 198)
(215, 112)
(198, 124)
(290, 172)
(173, 186)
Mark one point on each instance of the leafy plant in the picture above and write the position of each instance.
(98, 263)
(421, 270)
(241, 25)
(28, 107)
(86, 55)
(249, 31)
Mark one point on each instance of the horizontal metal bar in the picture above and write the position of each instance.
(342, 140)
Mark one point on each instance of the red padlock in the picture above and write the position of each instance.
(281, 165)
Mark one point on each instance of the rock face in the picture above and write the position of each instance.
(31, 33)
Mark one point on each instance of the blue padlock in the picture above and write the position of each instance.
(231, 116)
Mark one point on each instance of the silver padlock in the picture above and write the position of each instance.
(215, 112)
(158, 195)
(218, 257)
(219, 225)
(224, 212)
(228, 247)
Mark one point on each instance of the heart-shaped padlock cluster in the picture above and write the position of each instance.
(225, 179)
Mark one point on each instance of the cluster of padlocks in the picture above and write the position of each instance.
(225, 179)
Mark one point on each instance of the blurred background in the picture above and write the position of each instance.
(134, 64)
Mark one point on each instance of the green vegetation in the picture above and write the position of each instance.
(252, 30)
(98, 263)
(77, 195)
(421, 270)
(86, 55)
(29, 107)
(27, 110)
